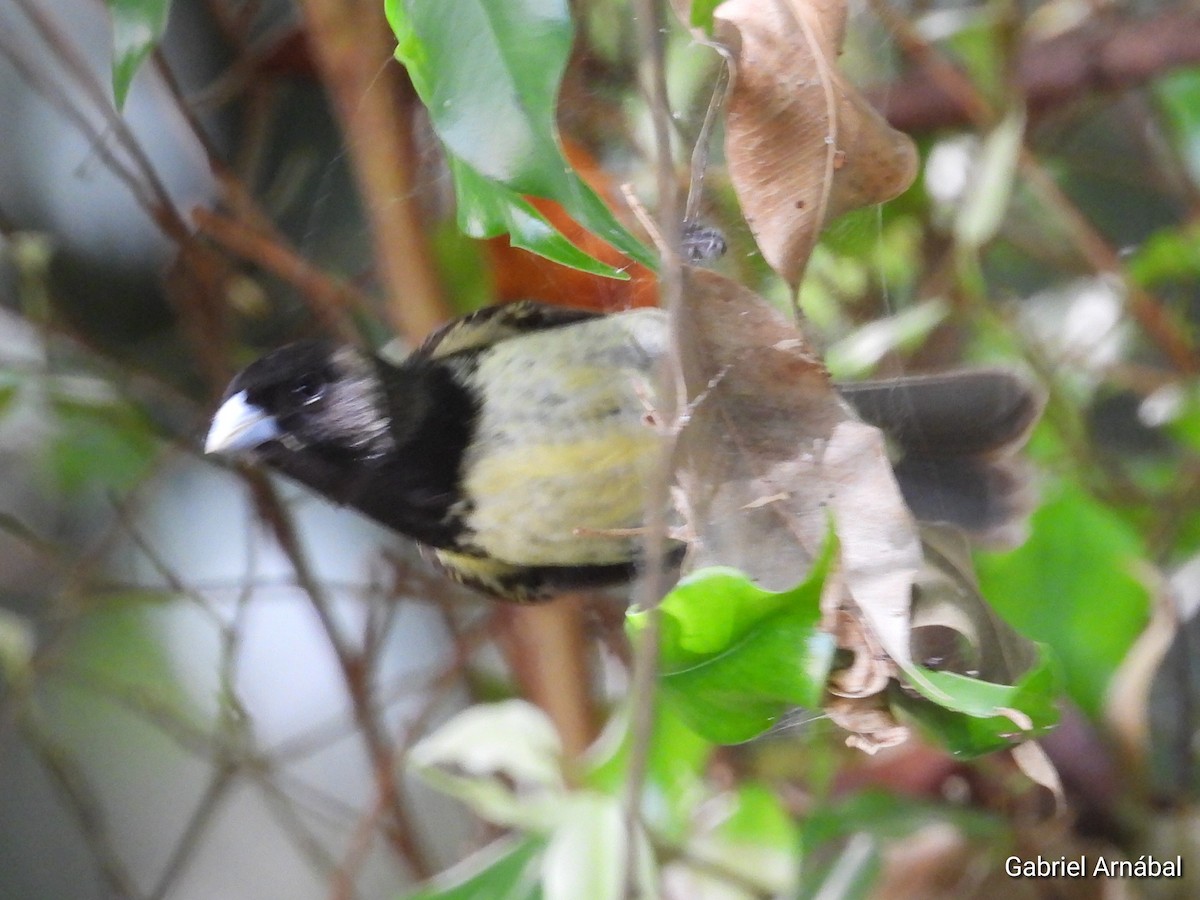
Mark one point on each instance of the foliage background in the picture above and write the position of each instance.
(211, 682)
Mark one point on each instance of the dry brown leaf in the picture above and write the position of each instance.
(770, 455)
(802, 144)
(1151, 705)
(869, 670)
(870, 724)
(953, 627)
(880, 544)
(767, 410)
(1032, 760)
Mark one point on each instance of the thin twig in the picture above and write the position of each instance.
(726, 75)
(60, 99)
(341, 882)
(85, 806)
(436, 689)
(74, 64)
(320, 736)
(237, 193)
(1146, 309)
(193, 832)
(353, 49)
(651, 23)
(200, 308)
(251, 234)
(331, 299)
(400, 831)
(283, 807)
(1107, 53)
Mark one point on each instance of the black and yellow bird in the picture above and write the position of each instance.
(515, 444)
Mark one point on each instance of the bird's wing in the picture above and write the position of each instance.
(494, 324)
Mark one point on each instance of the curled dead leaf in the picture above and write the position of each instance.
(869, 670)
(803, 144)
(1152, 698)
(953, 627)
(1032, 760)
(870, 724)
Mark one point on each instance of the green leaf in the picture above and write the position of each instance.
(892, 816)
(993, 175)
(971, 717)
(1073, 585)
(1175, 408)
(137, 26)
(488, 209)
(104, 443)
(675, 769)
(462, 267)
(736, 658)
(977, 43)
(757, 842)
(848, 873)
(975, 682)
(1166, 255)
(585, 856)
(1185, 428)
(489, 74)
(857, 354)
(115, 647)
(759, 818)
(506, 870)
(702, 14)
(8, 395)
(1178, 93)
(887, 817)
(17, 641)
(504, 760)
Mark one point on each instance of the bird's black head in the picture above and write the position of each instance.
(308, 394)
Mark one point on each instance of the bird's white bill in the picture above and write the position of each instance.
(239, 425)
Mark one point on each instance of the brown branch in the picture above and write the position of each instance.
(331, 298)
(83, 804)
(198, 822)
(353, 48)
(250, 232)
(546, 648)
(651, 28)
(1152, 317)
(1107, 54)
(436, 689)
(400, 830)
(199, 306)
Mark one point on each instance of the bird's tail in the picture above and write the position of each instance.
(955, 438)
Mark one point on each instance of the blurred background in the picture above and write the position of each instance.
(209, 679)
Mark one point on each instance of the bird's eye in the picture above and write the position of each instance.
(308, 390)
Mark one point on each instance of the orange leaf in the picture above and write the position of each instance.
(521, 275)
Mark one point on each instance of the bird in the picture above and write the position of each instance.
(515, 443)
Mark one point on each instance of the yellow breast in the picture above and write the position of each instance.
(563, 448)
